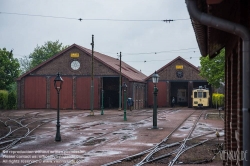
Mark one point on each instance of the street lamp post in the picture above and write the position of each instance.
(125, 100)
(58, 81)
(155, 78)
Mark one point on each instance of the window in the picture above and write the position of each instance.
(195, 94)
(204, 94)
(199, 94)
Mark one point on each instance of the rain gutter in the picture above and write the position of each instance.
(244, 34)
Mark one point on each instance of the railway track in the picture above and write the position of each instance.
(19, 127)
(75, 160)
(171, 151)
(33, 120)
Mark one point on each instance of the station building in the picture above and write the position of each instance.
(224, 24)
(35, 89)
(177, 79)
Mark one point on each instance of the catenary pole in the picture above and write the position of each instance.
(120, 82)
(92, 78)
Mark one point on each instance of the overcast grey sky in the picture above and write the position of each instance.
(23, 33)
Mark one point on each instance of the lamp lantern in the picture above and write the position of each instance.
(155, 78)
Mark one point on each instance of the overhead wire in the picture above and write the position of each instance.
(93, 19)
(155, 52)
(144, 61)
(160, 52)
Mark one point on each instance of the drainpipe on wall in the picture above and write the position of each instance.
(244, 34)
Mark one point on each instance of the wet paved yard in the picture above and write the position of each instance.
(91, 140)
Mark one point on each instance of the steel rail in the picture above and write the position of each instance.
(164, 140)
(185, 140)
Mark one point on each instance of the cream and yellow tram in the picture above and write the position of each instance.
(200, 97)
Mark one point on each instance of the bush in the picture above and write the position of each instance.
(12, 100)
(3, 99)
(218, 99)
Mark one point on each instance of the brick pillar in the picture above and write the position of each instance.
(74, 92)
(227, 106)
(18, 94)
(169, 99)
(136, 97)
(22, 96)
(48, 90)
(239, 132)
(233, 116)
(168, 93)
(190, 88)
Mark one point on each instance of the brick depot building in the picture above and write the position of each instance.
(177, 79)
(35, 89)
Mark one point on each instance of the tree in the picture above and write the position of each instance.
(44, 52)
(9, 69)
(214, 69)
(25, 64)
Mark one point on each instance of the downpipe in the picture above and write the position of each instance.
(244, 34)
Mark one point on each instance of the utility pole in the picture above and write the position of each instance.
(120, 82)
(92, 78)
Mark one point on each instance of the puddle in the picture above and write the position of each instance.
(86, 155)
(139, 123)
(117, 133)
(179, 135)
(93, 142)
(205, 129)
(184, 127)
(203, 124)
(124, 137)
(127, 129)
(106, 153)
(90, 138)
(100, 151)
(45, 136)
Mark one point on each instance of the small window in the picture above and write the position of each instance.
(204, 94)
(195, 94)
(199, 94)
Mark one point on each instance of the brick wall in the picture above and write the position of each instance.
(189, 73)
(233, 100)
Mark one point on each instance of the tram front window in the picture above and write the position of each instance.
(199, 94)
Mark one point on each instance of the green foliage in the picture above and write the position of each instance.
(213, 69)
(13, 87)
(3, 99)
(43, 53)
(12, 100)
(9, 69)
(218, 99)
